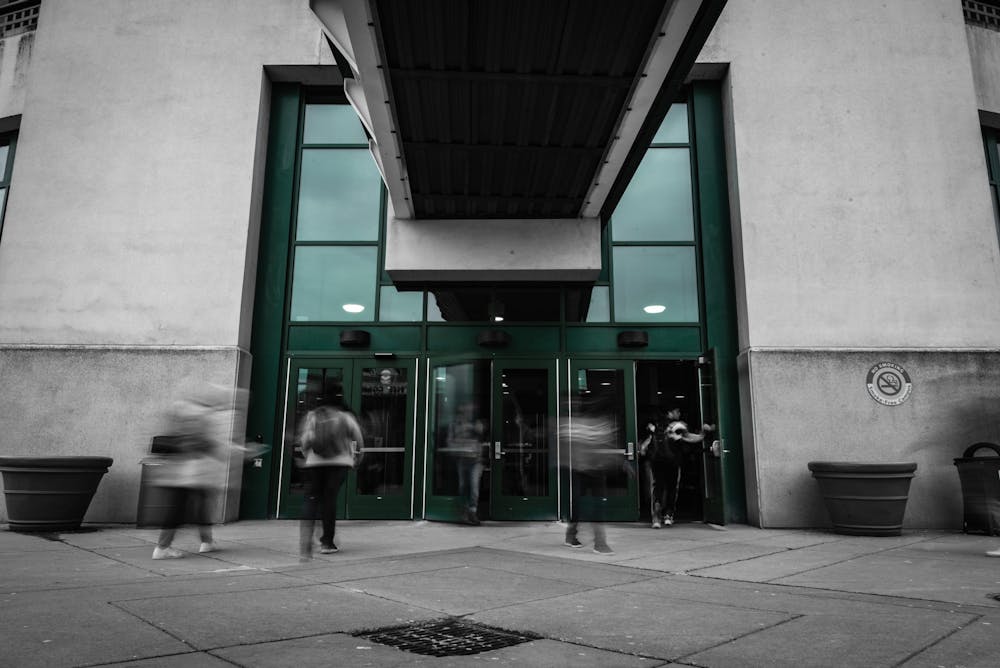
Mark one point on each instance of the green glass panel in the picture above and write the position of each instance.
(334, 283)
(332, 124)
(339, 192)
(600, 306)
(396, 306)
(4, 150)
(3, 200)
(655, 284)
(657, 204)
(674, 128)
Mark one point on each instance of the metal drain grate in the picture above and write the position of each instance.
(449, 637)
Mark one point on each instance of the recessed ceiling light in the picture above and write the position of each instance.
(353, 308)
(654, 308)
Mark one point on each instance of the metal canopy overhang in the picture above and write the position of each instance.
(514, 109)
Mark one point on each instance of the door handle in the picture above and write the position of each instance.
(716, 448)
(630, 451)
(497, 452)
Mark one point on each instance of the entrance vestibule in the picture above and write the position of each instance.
(491, 427)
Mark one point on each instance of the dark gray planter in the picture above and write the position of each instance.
(865, 499)
(50, 493)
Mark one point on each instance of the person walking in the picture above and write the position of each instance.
(331, 438)
(465, 437)
(665, 452)
(590, 433)
(189, 466)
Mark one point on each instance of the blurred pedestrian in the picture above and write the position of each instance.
(591, 433)
(465, 438)
(331, 438)
(190, 465)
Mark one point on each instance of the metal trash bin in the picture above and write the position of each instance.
(153, 500)
(980, 477)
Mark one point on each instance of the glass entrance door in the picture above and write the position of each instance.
(606, 390)
(382, 397)
(524, 468)
(490, 440)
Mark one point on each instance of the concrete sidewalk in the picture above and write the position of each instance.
(689, 595)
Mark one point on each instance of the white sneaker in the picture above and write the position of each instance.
(668, 520)
(207, 547)
(656, 524)
(994, 553)
(166, 553)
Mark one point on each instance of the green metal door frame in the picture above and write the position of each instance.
(351, 504)
(617, 508)
(507, 507)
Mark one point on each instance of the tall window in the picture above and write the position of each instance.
(654, 265)
(990, 137)
(337, 220)
(7, 145)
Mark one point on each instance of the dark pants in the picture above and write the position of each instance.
(321, 499)
(594, 483)
(181, 501)
(664, 482)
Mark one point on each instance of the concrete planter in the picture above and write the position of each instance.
(865, 499)
(50, 493)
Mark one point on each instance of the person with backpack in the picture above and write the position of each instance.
(664, 451)
(331, 439)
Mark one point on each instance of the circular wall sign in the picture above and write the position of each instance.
(889, 384)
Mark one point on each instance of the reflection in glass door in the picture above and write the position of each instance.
(458, 441)
(490, 441)
(382, 398)
(524, 468)
(606, 390)
(380, 488)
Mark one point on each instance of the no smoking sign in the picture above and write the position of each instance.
(889, 384)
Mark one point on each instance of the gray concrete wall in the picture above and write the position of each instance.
(128, 256)
(814, 405)
(106, 401)
(862, 220)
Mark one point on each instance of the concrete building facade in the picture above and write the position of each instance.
(858, 206)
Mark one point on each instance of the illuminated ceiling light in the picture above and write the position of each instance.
(654, 308)
(353, 308)
(496, 310)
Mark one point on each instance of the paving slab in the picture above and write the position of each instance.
(973, 646)
(464, 589)
(206, 621)
(48, 629)
(62, 566)
(870, 639)
(633, 623)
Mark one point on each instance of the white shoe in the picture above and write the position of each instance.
(668, 520)
(166, 553)
(994, 553)
(207, 547)
(656, 524)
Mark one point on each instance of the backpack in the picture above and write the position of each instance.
(325, 429)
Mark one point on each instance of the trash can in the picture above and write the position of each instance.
(980, 477)
(153, 501)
